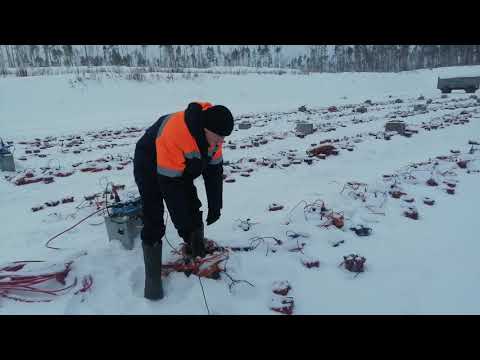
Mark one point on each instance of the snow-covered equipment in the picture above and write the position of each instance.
(354, 263)
(420, 107)
(361, 230)
(6, 157)
(396, 125)
(245, 125)
(304, 128)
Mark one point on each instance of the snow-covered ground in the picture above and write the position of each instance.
(422, 266)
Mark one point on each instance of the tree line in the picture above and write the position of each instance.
(315, 58)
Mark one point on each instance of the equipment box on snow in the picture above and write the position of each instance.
(6, 162)
(305, 128)
(395, 125)
(123, 228)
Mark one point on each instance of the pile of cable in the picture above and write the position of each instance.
(36, 281)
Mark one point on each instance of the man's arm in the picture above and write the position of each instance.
(213, 178)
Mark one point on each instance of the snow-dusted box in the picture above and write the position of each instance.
(6, 162)
(123, 228)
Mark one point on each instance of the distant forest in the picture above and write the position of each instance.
(314, 58)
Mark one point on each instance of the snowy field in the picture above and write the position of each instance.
(82, 136)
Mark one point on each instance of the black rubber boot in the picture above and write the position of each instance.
(191, 238)
(187, 239)
(152, 257)
(198, 242)
(202, 236)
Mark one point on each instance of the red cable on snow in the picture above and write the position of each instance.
(29, 283)
(87, 283)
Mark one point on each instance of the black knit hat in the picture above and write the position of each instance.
(219, 120)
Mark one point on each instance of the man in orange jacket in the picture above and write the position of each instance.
(174, 151)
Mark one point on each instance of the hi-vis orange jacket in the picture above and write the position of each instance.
(171, 153)
(175, 145)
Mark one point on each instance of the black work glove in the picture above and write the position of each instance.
(213, 215)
